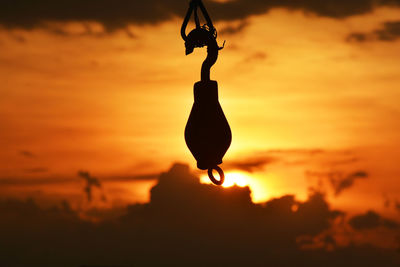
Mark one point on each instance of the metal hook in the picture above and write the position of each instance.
(196, 18)
(192, 4)
(201, 36)
(193, 9)
(221, 175)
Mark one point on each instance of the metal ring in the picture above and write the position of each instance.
(221, 175)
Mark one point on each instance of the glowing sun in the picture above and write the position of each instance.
(258, 188)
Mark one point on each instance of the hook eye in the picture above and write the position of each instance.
(221, 175)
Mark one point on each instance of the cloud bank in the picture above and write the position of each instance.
(186, 224)
(118, 14)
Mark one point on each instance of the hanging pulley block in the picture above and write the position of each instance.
(207, 133)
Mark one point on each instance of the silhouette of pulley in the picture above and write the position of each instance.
(207, 133)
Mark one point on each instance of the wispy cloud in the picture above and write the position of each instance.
(91, 182)
(251, 164)
(36, 170)
(338, 180)
(233, 29)
(27, 154)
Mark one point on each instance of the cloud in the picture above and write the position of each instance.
(258, 159)
(28, 181)
(186, 223)
(36, 170)
(252, 164)
(27, 154)
(341, 183)
(388, 32)
(357, 37)
(310, 152)
(131, 178)
(233, 29)
(118, 14)
(34, 182)
(371, 220)
(90, 183)
(345, 161)
(257, 56)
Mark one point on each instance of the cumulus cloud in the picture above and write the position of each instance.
(118, 14)
(186, 223)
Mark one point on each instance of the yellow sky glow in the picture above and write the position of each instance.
(119, 105)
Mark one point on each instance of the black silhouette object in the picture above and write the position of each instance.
(207, 133)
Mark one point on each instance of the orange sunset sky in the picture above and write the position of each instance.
(311, 94)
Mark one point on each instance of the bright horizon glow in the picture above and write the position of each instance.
(231, 178)
(259, 192)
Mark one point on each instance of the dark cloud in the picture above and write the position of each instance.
(28, 181)
(91, 182)
(389, 202)
(130, 178)
(233, 29)
(386, 201)
(118, 14)
(34, 181)
(36, 170)
(252, 164)
(27, 154)
(258, 159)
(389, 31)
(346, 161)
(18, 38)
(340, 182)
(371, 220)
(184, 224)
(257, 56)
(357, 37)
(310, 152)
